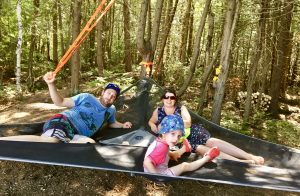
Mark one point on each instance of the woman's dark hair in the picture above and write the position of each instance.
(168, 90)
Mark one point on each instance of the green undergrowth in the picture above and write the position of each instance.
(262, 126)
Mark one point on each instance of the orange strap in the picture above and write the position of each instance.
(83, 34)
(148, 66)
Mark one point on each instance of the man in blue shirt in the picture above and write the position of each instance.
(83, 119)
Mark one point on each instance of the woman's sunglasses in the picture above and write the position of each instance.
(171, 97)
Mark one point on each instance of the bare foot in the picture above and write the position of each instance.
(258, 160)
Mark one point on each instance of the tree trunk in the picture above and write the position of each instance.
(190, 37)
(287, 61)
(209, 38)
(48, 48)
(33, 38)
(255, 58)
(100, 48)
(293, 70)
(143, 46)
(109, 37)
(208, 64)
(204, 82)
(267, 55)
(54, 31)
(127, 39)
(196, 49)
(233, 9)
(60, 24)
(148, 47)
(75, 60)
(185, 32)
(19, 48)
(283, 55)
(167, 27)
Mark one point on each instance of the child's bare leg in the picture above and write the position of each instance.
(233, 151)
(185, 167)
(30, 138)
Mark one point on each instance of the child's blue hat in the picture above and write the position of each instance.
(171, 123)
(114, 87)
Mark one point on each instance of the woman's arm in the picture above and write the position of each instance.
(152, 121)
(186, 117)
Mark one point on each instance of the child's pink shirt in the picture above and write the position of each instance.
(158, 153)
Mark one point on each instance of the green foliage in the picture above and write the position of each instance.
(235, 123)
(175, 72)
(283, 132)
(116, 53)
(261, 126)
(8, 92)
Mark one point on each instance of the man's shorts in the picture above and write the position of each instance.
(60, 128)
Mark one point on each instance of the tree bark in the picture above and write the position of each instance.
(293, 70)
(196, 49)
(185, 32)
(283, 56)
(54, 33)
(190, 36)
(209, 64)
(60, 24)
(266, 53)
(233, 9)
(147, 47)
(255, 58)
(100, 48)
(170, 16)
(75, 60)
(19, 48)
(127, 39)
(204, 86)
(33, 38)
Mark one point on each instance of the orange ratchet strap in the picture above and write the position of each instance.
(83, 34)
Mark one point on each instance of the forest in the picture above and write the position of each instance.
(235, 62)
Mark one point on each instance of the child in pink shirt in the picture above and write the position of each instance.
(157, 155)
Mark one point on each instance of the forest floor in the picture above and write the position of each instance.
(35, 179)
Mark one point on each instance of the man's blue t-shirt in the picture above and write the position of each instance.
(88, 114)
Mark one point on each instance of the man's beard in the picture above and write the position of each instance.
(104, 103)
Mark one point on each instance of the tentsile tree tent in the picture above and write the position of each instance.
(123, 150)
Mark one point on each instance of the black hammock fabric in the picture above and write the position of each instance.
(123, 150)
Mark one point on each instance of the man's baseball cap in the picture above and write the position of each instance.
(114, 87)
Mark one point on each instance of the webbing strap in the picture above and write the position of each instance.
(83, 34)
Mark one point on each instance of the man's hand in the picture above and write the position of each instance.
(127, 125)
(49, 77)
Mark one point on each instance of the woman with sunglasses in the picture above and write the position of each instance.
(198, 138)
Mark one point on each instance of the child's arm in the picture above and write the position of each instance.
(175, 155)
(149, 165)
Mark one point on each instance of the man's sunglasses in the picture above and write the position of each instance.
(171, 97)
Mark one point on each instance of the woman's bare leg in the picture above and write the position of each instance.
(233, 151)
(201, 149)
(30, 138)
